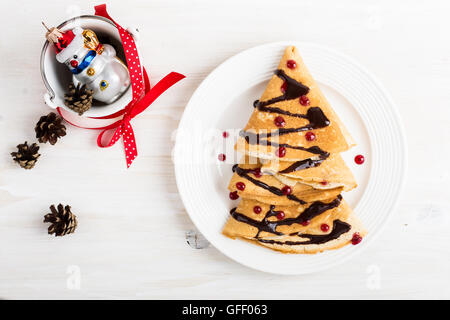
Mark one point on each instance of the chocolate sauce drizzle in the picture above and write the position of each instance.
(244, 174)
(294, 89)
(255, 138)
(339, 228)
(305, 164)
(315, 209)
(264, 225)
(314, 115)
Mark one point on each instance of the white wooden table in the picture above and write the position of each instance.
(131, 237)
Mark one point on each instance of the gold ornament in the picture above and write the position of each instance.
(90, 72)
(103, 85)
(100, 49)
(91, 40)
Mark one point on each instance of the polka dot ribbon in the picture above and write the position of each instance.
(143, 95)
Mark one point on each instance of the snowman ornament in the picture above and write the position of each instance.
(91, 63)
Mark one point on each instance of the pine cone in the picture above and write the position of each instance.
(63, 221)
(49, 128)
(27, 155)
(79, 99)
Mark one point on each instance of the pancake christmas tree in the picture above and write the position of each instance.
(292, 175)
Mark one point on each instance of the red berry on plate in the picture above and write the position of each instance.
(356, 238)
(286, 190)
(279, 121)
(310, 136)
(257, 173)
(257, 209)
(280, 215)
(234, 195)
(281, 152)
(284, 87)
(240, 186)
(304, 100)
(324, 227)
(225, 134)
(305, 223)
(324, 183)
(222, 157)
(359, 159)
(291, 64)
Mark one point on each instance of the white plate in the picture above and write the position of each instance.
(224, 100)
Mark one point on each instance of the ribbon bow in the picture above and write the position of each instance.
(143, 95)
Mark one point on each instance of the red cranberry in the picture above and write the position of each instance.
(280, 215)
(284, 87)
(240, 186)
(305, 223)
(279, 121)
(291, 64)
(257, 173)
(225, 134)
(286, 190)
(222, 157)
(356, 238)
(304, 100)
(281, 152)
(359, 159)
(234, 195)
(310, 136)
(257, 209)
(324, 183)
(324, 227)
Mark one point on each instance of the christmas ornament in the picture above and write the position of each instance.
(79, 99)
(27, 155)
(63, 221)
(140, 95)
(92, 64)
(49, 128)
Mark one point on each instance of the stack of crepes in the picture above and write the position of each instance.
(292, 175)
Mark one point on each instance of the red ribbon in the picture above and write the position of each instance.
(143, 95)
